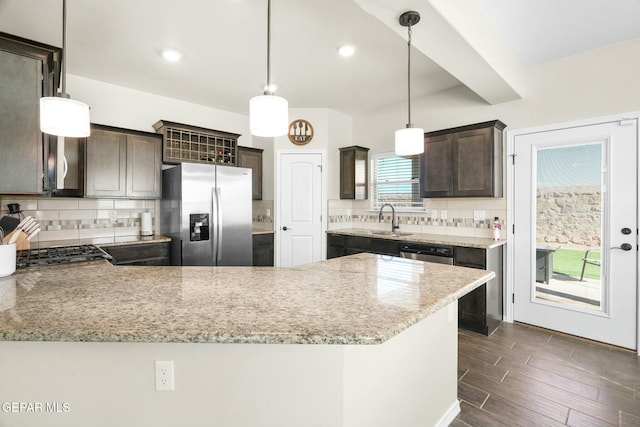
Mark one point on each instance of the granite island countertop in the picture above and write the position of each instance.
(358, 299)
(440, 239)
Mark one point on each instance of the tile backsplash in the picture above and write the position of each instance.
(102, 220)
(73, 219)
(263, 214)
(452, 217)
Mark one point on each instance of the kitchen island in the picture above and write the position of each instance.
(359, 340)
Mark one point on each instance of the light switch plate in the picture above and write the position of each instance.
(434, 214)
(478, 215)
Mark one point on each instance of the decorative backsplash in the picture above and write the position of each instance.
(459, 215)
(263, 214)
(102, 220)
(75, 219)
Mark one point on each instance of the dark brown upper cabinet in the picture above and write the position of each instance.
(464, 161)
(354, 173)
(123, 163)
(251, 158)
(28, 71)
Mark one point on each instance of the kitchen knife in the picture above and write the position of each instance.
(33, 233)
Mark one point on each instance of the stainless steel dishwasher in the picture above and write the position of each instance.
(440, 254)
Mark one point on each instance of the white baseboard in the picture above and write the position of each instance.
(449, 416)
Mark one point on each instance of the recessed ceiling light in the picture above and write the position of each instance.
(171, 55)
(346, 50)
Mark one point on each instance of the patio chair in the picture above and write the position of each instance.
(587, 260)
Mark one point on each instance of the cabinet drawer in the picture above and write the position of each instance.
(386, 247)
(133, 254)
(263, 239)
(362, 244)
(469, 257)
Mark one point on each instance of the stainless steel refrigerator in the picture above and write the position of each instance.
(206, 210)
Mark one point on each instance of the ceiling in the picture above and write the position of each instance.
(224, 45)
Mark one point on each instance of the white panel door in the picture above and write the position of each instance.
(576, 194)
(300, 212)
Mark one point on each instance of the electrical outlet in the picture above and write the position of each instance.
(434, 214)
(268, 213)
(478, 215)
(443, 215)
(164, 375)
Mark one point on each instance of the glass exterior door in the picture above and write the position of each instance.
(575, 241)
(569, 217)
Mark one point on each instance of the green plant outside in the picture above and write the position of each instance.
(569, 262)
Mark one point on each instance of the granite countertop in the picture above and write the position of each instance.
(256, 230)
(132, 240)
(358, 299)
(103, 241)
(469, 242)
(119, 240)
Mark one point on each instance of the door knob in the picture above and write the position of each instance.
(624, 247)
(626, 231)
(285, 228)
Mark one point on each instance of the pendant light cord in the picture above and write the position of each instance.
(63, 67)
(409, 124)
(267, 90)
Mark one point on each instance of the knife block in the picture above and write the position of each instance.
(21, 242)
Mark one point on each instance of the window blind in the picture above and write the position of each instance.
(396, 180)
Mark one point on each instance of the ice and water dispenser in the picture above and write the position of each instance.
(198, 227)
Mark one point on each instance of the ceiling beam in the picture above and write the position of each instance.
(457, 37)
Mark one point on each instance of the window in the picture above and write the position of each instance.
(396, 180)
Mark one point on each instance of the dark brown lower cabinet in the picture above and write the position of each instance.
(150, 254)
(481, 309)
(263, 250)
(341, 245)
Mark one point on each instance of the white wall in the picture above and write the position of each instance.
(332, 129)
(133, 109)
(592, 84)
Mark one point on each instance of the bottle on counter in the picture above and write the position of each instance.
(497, 228)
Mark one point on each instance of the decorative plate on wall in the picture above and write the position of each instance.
(300, 132)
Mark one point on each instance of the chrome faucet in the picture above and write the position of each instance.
(394, 224)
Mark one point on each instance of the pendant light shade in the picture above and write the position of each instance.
(268, 114)
(410, 140)
(60, 115)
(64, 117)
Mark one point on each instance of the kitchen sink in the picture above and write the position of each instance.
(389, 233)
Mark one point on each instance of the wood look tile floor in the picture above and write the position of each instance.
(525, 376)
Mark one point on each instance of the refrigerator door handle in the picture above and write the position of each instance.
(215, 196)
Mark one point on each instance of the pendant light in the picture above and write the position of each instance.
(410, 140)
(60, 115)
(268, 114)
